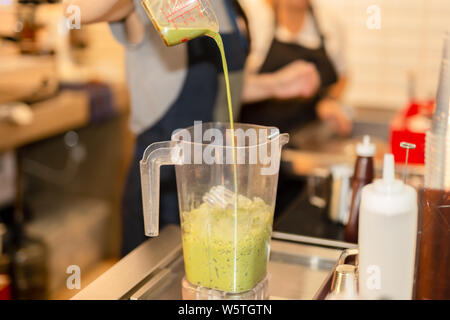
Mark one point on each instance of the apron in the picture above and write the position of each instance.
(291, 114)
(196, 101)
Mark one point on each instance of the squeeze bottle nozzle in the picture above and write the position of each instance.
(388, 168)
(366, 148)
(388, 184)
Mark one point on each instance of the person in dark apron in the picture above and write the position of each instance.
(290, 115)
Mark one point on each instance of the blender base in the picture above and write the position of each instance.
(193, 292)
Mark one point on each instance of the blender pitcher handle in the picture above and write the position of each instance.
(284, 139)
(155, 156)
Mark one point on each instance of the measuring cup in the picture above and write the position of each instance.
(225, 244)
(178, 21)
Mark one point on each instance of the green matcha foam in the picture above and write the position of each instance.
(214, 259)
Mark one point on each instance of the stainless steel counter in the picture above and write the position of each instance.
(298, 266)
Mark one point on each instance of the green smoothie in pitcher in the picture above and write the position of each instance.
(212, 256)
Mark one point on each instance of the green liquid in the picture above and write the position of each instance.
(173, 37)
(238, 282)
(219, 42)
(212, 256)
(224, 250)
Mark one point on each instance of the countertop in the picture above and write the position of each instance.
(297, 269)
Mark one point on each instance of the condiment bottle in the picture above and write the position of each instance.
(433, 247)
(387, 237)
(363, 175)
(5, 282)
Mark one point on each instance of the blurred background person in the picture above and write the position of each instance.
(286, 34)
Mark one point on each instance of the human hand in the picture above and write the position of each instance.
(330, 110)
(299, 79)
(100, 10)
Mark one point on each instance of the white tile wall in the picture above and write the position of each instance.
(410, 40)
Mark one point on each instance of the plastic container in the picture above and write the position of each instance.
(182, 20)
(387, 237)
(363, 175)
(437, 151)
(5, 281)
(433, 252)
(226, 241)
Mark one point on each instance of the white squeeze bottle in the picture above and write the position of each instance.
(387, 237)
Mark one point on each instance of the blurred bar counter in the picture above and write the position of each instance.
(68, 110)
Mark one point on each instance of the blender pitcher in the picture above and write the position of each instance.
(226, 239)
(178, 21)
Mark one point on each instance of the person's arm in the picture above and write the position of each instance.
(337, 90)
(330, 109)
(109, 11)
(101, 10)
(298, 79)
